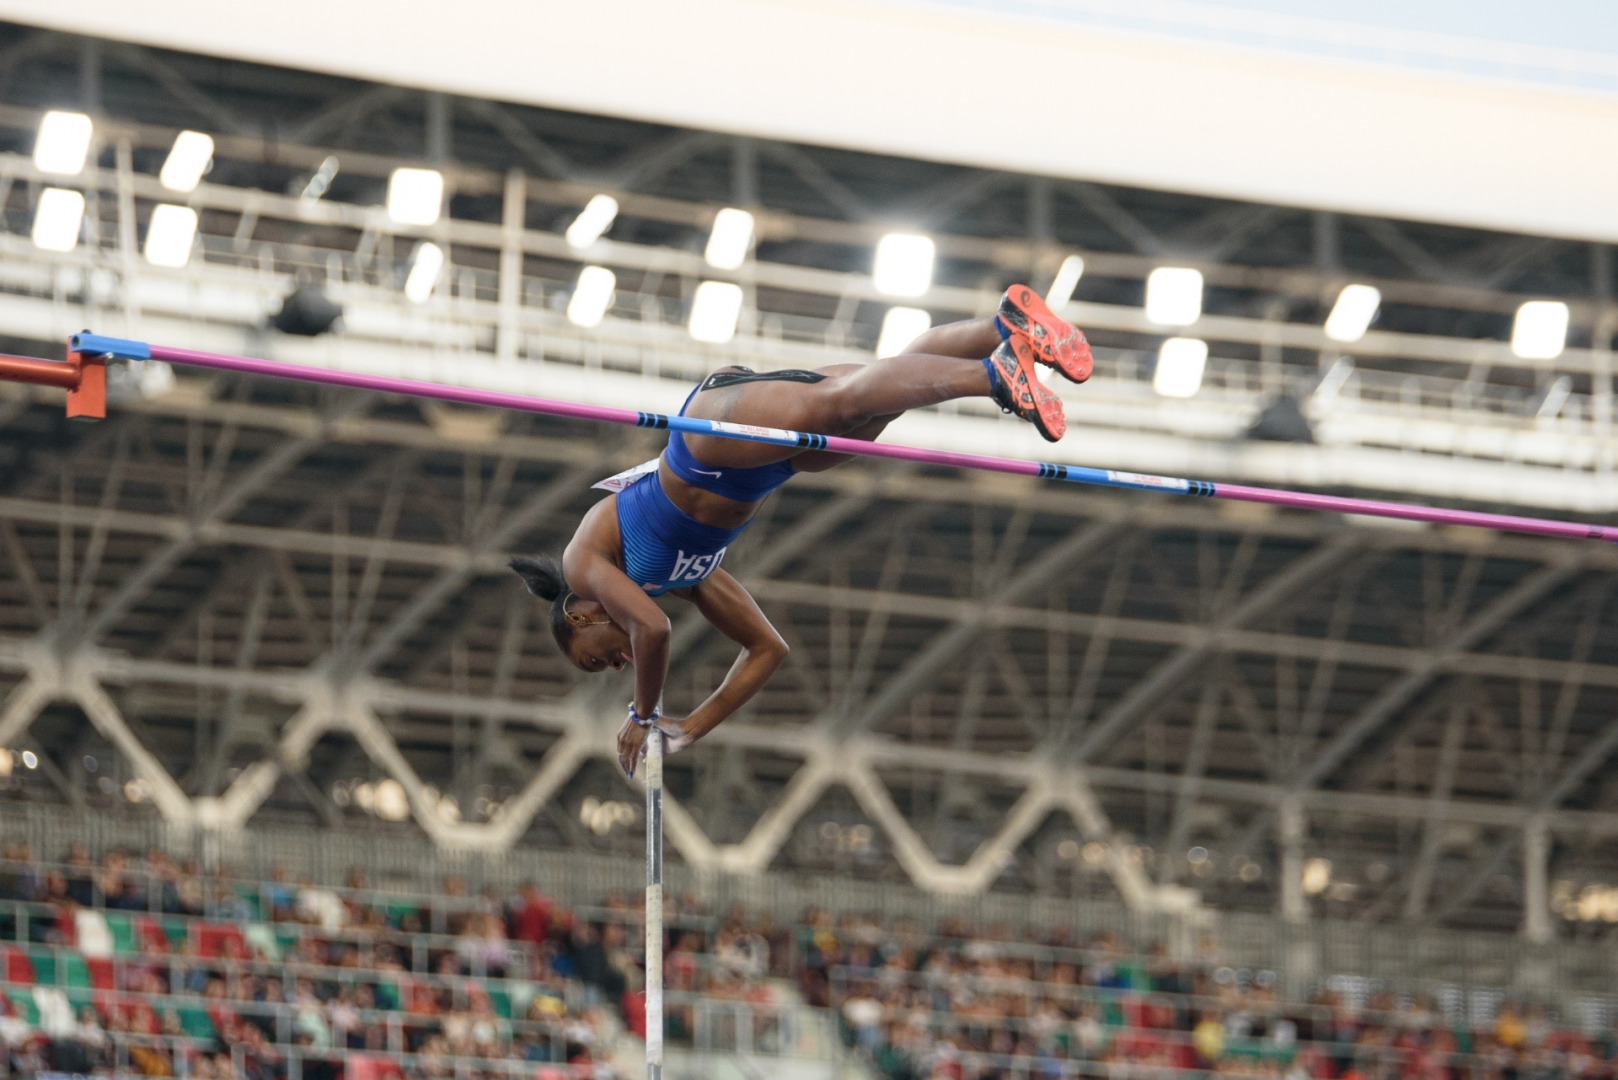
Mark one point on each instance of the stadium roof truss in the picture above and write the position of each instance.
(242, 599)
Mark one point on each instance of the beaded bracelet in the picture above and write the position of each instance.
(644, 721)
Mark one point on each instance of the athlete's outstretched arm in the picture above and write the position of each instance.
(733, 612)
(628, 605)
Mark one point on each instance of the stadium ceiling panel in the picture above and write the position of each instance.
(1463, 139)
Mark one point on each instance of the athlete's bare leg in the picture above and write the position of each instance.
(847, 400)
(942, 364)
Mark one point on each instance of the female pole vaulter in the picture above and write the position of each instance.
(669, 522)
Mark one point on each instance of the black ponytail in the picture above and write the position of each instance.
(544, 579)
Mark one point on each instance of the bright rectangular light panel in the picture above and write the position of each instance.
(424, 271)
(1540, 330)
(592, 296)
(904, 264)
(1067, 279)
(715, 311)
(57, 219)
(63, 143)
(1352, 314)
(593, 221)
(188, 160)
(169, 235)
(415, 196)
(1180, 364)
(900, 327)
(1174, 296)
(732, 235)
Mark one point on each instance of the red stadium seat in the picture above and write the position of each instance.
(101, 972)
(215, 940)
(19, 969)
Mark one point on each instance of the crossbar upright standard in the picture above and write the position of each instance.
(654, 905)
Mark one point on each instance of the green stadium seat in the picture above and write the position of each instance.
(387, 996)
(73, 971)
(123, 933)
(44, 961)
(195, 1022)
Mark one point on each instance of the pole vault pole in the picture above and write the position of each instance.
(654, 905)
(105, 348)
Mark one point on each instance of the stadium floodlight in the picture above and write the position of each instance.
(904, 264)
(188, 159)
(169, 235)
(424, 270)
(57, 219)
(1540, 331)
(732, 235)
(63, 143)
(1174, 296)
(592, 296)
(1180, 363)
(714, 311)
(593, 221)
(1351, 316)
(415, 196)
(900, 327)
(1067, 279)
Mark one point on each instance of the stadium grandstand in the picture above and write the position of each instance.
(1051, 782)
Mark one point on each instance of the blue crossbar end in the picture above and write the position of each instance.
(110, 347)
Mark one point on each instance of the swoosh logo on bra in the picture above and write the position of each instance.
(705, 472)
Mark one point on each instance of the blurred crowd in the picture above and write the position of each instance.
(138, 964)
(965, 1003)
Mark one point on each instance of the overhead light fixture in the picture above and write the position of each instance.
(170, 234)
(306, 312)
(904, 264)
(900, 327)
(320, 182)
(732, 235)
(1174, 296)
(1180, 363)
(714, 311)
(592, 296)
(63, 143)
(415, 196)
(57, 219)
(1351, 316)
(188, 159)
(593, 221)
(1067, 279)
(1540, 331)
(424, 269)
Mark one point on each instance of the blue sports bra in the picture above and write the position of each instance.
(742, 485)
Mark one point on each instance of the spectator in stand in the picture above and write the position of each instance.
(81, 875)
(602, 981)
(320, 907)
(531, 915)
(483, 948)
(19, 879)
(279, 896)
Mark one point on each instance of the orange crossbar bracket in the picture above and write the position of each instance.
(83, 377)
(88, 400)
